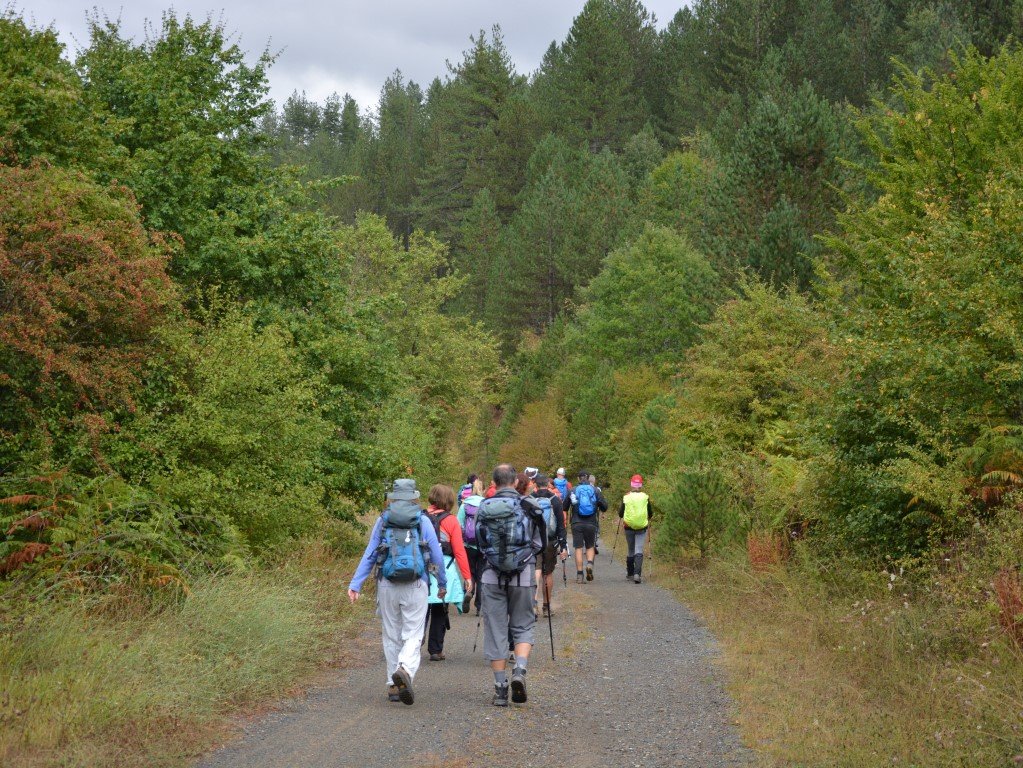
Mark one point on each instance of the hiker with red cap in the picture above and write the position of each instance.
(635, 513)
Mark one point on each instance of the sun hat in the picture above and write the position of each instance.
(404, 489)
(637, 481)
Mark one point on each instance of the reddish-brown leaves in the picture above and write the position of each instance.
(23, 556)
(1009, 594)
(765, 549)
(83, 286)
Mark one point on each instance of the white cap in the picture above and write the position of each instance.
(531, 472)
(561, 470)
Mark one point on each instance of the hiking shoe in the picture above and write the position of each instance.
(466, 602)
(579, 577)
(518, 686)
(638, 579)
(403, 682)
(547, 610)
(501, 695)
(589, 571)
(437, 657)
(392, 693)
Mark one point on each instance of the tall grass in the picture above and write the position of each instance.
(96, 683)
(832, 665)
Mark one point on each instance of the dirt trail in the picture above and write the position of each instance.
(633, 685)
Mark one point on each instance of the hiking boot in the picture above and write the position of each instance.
(589, 571)
(637, 579)
(501, 695)
(392, 693)
(403, 682)
(518, 686)
(578, 577)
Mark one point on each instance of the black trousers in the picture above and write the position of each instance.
(437, 617)
(476, 563)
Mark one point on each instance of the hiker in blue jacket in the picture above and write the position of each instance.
(401, 538)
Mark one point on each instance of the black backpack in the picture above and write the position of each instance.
(504, 534)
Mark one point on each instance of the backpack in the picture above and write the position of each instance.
(470, 508)
(548, 517)
(505, 535)
(465, 492)
(636, 511)
(445, 540)
(585, 500)
(562, 485)
(401, 556)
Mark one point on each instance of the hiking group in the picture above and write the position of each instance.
(499, 552)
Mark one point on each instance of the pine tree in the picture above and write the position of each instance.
(477, 136)
(594, 87)
(399, 159)
(479, 238)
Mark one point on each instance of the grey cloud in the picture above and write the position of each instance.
(350, 45)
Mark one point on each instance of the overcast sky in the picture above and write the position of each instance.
(347, 45)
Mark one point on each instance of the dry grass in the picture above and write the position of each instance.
(839, 668)
(1009, 594)
(765, 549)
(117, 684)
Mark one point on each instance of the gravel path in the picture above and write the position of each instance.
(633, 685)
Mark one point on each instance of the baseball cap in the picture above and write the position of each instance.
(636, 481)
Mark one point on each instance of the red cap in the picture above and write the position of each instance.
(637, 481)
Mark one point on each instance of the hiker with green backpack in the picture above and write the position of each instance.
(402, 547)
(510, 532)
(635, 513)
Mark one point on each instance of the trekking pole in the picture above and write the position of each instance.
(564, 571)
(615, 545)
(650, 538)
(550, 622)
(479, 618)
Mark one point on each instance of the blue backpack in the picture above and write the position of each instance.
(585, 500)
(401, 556)
(548, 517)
(504, 535)
(562, 485)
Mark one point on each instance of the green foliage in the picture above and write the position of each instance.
(196, 165)
(243, 438)
(783, 162)
(623, 320)
(59, 122)
(594, 85)
(573, 211)
(480, 135)
(694, 497)
(933, 326)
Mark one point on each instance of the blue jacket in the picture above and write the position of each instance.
(369, 557)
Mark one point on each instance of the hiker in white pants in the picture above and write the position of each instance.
(397, 549)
